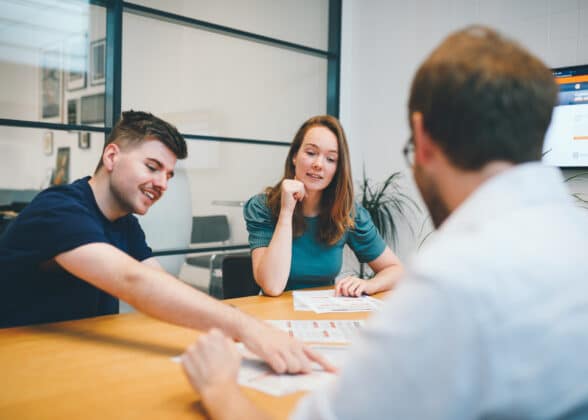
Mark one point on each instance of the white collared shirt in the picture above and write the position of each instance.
(491, 320)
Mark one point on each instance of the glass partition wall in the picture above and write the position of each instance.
(236, 77)
(50, 99)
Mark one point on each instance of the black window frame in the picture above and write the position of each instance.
(115, 10)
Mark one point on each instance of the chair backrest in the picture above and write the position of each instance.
(214, 228)
(237, 277)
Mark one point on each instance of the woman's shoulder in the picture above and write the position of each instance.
(257, 202)
(257, 208)
(362, 216)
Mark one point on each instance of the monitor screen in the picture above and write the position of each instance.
(566, 140)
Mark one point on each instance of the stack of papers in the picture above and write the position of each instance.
(333, 336)
(324, 301)
(257, 374)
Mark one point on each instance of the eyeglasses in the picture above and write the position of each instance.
(408, 152)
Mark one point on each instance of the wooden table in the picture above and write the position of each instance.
(117, 367)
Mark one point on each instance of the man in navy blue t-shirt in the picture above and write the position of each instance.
(35, 287)
(76, 248)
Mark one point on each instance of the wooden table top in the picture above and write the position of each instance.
(118, 366)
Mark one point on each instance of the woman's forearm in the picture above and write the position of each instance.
(274, 267)
(385, 279)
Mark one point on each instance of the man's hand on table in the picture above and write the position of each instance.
(211, 365)
(282, 352)
(212, 362)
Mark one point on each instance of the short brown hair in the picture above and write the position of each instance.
(337, 211)
(484, 98)
(135, 126)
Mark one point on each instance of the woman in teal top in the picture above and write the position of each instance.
(298, 228)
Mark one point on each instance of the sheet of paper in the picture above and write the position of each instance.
(299, 304)
(254, 373)
(324, 301)
(323, 331)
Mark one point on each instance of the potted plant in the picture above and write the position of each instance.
(580, 197)
(385, 202)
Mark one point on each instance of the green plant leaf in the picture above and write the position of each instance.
(385, 202)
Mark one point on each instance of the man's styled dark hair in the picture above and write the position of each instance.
(136, 126)
(484, 98)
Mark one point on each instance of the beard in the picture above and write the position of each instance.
(430, 192)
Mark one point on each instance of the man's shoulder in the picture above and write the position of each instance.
(70, 192)
(521, 250)
(468, 261)
(57, 209)
(57, 220)
(443, 258)
(62, 196)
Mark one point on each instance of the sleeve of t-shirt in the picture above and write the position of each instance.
(364, 239)
(54, 223)
(138, 247)
(259, 221)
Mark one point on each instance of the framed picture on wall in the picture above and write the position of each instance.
(61, 172)
(76, 58)
(51, 79)
(92, 109)
(98, 62)
(72, 111)
(84, 140)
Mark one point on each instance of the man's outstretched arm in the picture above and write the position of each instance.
(162, 296)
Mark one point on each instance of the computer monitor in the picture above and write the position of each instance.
(566, 140)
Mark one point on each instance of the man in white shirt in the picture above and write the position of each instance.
(491, 320)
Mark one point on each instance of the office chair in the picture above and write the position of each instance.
(237, 276)
(210, 230)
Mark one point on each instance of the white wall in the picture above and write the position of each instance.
(385, 41)
(298, 21)
(206, 83)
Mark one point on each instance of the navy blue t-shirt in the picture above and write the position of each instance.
(35, 289)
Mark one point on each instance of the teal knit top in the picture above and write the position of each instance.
(314, 263)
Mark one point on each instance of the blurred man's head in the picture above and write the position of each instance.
(480, 99)
(138, 159)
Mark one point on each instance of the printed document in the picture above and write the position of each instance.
(324, 301)
(334, 337)
(255, 373)
(320, 331)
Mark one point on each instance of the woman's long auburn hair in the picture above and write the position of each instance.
(336, 208)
